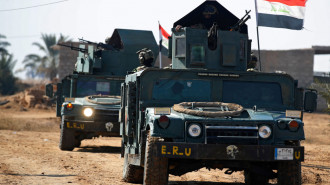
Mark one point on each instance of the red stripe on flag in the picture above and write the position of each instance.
(164, 33)
(290, 2)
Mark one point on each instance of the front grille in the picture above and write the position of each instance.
(231, 134)
(108, 115)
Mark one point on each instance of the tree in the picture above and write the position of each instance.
(7, 79)
(3, 45)
(47, 64)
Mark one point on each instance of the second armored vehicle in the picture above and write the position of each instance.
(88, 100)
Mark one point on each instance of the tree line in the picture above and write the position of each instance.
(7, 63)
(35, 65)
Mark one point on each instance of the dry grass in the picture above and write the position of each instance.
(19, 122)
(317, 128)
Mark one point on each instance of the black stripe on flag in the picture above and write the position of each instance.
(280, 21)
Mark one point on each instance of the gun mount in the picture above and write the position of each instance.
(225, 46)
(117, 56)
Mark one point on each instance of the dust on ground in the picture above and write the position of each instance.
(30, 154)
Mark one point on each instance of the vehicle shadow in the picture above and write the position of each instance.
(100, 149)
(38, 175)
(203, 183)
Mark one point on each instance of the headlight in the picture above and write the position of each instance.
(88, 112)
(194, 130)
(265, 131)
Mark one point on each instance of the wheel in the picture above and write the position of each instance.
(67, 139)
(254, 178)
(289, 173)
(155, 168)
(132, 173)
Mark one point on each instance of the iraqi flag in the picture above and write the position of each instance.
(163, 37)
(281, 13)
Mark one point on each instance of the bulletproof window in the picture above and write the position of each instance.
(197, 55)
(180, 47)
(248, 94)
(182, 90)
(86, 87)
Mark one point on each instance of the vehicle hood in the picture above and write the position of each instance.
(98, 102)
(247, 114)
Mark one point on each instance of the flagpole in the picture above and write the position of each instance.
(256, 9)
(258, 48)
(160, 46)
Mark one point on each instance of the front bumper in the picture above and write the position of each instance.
(229, 152)
(92, 126)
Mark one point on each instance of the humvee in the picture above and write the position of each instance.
(88, 100)
(209, 111)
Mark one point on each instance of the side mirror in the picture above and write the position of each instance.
(49, 90)
(310, 101)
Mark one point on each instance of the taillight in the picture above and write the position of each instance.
(293, 125)
(163, 121)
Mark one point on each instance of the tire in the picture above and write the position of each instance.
(132, 173)
(289, 173)
(254, 178)
(155, 168)
(67, 139)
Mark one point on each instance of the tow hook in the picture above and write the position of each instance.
(229, 171)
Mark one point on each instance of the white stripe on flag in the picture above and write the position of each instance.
(275, 8)
(160, 35)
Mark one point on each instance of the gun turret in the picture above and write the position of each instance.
(98, 45)
(241, 22)
(74, 48)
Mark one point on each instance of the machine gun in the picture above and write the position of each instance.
(98, 45)
(242, 21)
(75, 48)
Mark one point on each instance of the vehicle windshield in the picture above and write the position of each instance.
(248, 94)
(87, 87)
(182, 90)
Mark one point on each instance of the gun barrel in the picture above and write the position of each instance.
(244, 20)
(241, 21)
(86, 41)
(74, 48)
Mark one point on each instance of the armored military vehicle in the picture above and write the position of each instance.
(88, 100)
(209, 111)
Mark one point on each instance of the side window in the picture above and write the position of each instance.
(180, 47)
(197, 55)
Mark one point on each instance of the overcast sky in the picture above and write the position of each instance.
(95, 20)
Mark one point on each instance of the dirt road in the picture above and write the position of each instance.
(29, 154)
